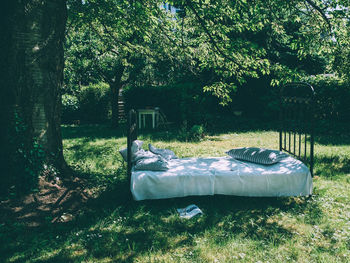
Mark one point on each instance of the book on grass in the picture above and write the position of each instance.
(189, 211)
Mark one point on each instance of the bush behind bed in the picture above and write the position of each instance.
(187, 102)
(180, 102)
(332, 96)
(90, 104)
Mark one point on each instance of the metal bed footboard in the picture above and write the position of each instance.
(296, 134)
(131, 136)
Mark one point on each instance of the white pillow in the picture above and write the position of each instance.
(124, 154)
(165, 153)
(152, 164)
(141, 154)
(135, 147)
(257, 155)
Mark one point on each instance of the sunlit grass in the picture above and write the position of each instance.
(113, 228)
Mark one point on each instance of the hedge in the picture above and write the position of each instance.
(332, 97)
(180, 102)
(91, 104)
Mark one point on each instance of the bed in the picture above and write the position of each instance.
(292, 176)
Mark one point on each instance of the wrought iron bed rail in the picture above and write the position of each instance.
(131, 136)
(296, 135)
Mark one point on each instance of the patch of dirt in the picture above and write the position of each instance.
(52, 203)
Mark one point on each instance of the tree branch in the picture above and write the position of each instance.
(113, 37)
(318, 9)
(211, 38)
(158, 10)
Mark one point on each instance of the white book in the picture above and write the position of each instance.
(189, 211)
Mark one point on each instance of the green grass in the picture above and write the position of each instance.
(114, 228)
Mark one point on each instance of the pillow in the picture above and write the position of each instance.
(124, 154)
(135, 147)
(257, 155)
(152, 164)
(140, 154)
(165, 153)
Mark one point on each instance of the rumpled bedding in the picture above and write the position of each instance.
(153, 160)
(222, 175)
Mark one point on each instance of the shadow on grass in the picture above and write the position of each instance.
(329, 166)
(333, 139)
(116, 227)
(222, 125)
(84, 151)
(92, 131)
(174, 135)
(333, 135)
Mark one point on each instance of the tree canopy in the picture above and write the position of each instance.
(223, 43)
(220, 44)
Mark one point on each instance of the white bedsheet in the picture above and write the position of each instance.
(222, 175)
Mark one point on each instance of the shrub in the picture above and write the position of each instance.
(271, 103)
(91, 104)
(256, 98)
(332, 97)
(196, 133)
(180, 102)
(70, 108)
(94, 103)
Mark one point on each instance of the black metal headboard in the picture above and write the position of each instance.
(296, 134)
(132, 135)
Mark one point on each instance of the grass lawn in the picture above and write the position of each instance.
(113, 228)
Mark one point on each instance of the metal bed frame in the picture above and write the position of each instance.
(131, 136)
(296, 133)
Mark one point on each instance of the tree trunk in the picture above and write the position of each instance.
(115, 88)
(6, 94)
(34, 76)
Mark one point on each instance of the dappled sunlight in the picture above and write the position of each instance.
(222, 175)
(334, 140)
(117, 229)
(287, 166)
(199, 78)
(111, 227)
(334, 165)
(92, 131)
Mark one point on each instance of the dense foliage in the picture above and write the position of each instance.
(340, 15)
(180, 102)
(89, 104)
(239, 40)
(122, 43)
(26, 163)
(238, 51)
(332, 96)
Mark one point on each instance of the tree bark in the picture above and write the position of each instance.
(6, 94)
(115, 87)
(34, 74)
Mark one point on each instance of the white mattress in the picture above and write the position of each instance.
(222, 175)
